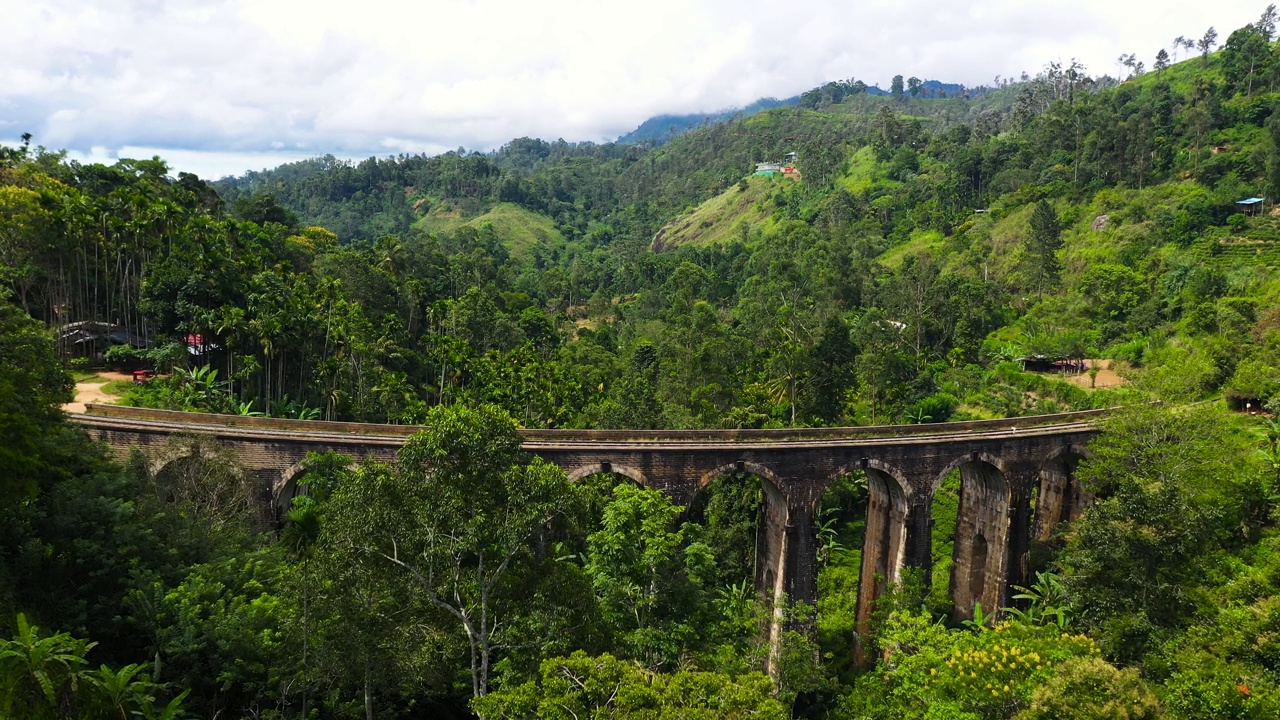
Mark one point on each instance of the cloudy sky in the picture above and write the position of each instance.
(220, 86)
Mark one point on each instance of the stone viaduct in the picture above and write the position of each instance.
(1016, 481)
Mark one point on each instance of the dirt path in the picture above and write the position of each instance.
(91, 391)
(1106, 376)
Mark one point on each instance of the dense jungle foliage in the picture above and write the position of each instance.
(929, 243)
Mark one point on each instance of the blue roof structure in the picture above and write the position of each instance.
(1250, 201)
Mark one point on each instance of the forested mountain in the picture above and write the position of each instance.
(662, 128)
(925, 244)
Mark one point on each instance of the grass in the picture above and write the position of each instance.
(720, 219)
(1184, 73)
(921, 241)
(82, 376)
(118, 387)
(517, 228)
(863, 172)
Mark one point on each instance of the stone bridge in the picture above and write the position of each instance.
(1016, 481)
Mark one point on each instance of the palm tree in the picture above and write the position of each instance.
(390, 254)
(229, 323)
(300, 537)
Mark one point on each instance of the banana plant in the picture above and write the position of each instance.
(828, 534)
(34, 668)
(1045, 601)
(980, 619)
(122, 689)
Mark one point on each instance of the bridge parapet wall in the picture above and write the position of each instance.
(609, 436)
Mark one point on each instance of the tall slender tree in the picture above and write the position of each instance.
(1207, 43)
(1046, 240)
(1267, 23)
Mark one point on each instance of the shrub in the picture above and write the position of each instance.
(1092, 689)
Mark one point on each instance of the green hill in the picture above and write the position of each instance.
(731, 215)
(518, 228)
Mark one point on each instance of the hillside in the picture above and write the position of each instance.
(731, 215)
(520, 229)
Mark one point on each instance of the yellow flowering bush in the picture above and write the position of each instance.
(990, 673)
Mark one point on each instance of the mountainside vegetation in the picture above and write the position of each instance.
(1052, 243)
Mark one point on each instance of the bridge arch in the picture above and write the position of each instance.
(744, 466)
(1081, 452)
(172, 453)
(1059, 497)
(959, 462)
(287, 479)
(627, 471)
(887, 472)
(980, 553)
(287, 486)
(184, 447)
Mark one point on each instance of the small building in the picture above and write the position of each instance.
(1055, 364)
(1251, 206)
(91, 338)
(768, 169)
(198, 345)
(790, 158)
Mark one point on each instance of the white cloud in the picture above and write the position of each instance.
(213, 83)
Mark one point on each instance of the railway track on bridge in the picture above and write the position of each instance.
(145, 419)
(539, 443)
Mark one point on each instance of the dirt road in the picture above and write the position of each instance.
(1107, 377)
(90, 391)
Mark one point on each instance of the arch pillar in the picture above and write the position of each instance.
(778, 560)
(980, 567)
(884, 548)
(1060, 498)
(1022, 479)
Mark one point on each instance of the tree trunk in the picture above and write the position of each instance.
(306, 632)
(368, 692)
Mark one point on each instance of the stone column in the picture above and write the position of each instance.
(981, 547)
(1021, 478)
(918, 550)
(801, 563)
(773, 568)
(883, 550)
